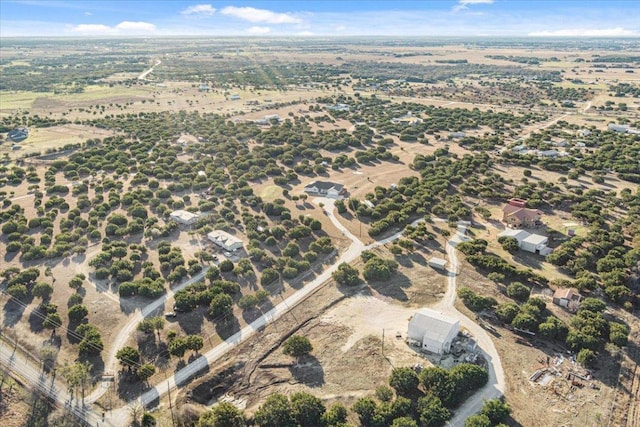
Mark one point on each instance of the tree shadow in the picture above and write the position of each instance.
(393, 288)
(308, 371)
(227, 327)
(36, 318)
(191, 322)
(250, 315)
(13, 311)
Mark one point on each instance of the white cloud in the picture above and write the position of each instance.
(306, 33)
(135, 26)
(586, 32)
(123, 28)
(92, 29)
(259, 30)
(199, 9)
(252, 14)
(88, 14)
(464, 4)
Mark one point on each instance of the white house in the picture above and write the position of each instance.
(433, 330)
(535, 243)
(326, 189)
(438, 263)
(184, 217)
(618, 128)
(225, 240)
(234, 97)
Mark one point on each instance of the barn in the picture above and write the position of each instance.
(432, 330)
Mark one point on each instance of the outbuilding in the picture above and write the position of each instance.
(432, 330)
(438, 263)
(534, 243)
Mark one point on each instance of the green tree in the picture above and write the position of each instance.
(496, 410)
(404, 380)
(276, 411)
(308, 410)
(518, 291)
(404, 422)
(146, 371)
(507, 312)
(195, 343)
(77, 313)
(335, 415)
(53, 321)
(346, 275)
(128, 357)
(431, 411)
(437, 381)
(365, 407)
(297, 346)
(223, 414)
(586, 358)
(42, 290)
(221, 306)
(479, 420)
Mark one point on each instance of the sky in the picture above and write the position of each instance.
(549, 18)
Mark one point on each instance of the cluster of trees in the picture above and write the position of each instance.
(131, 359)
(424, 399)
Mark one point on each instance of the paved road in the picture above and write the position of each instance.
(33, 375)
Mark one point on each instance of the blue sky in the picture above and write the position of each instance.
(74, 18)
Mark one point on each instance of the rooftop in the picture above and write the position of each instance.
(325, 185)
(437, 326)
(535, 239)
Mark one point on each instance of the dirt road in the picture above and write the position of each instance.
(144, 75)
(496, 385)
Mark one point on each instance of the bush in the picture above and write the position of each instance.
(346, 275)
(518, 291)
(297, 346)
(404, 380)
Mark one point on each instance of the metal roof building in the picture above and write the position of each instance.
(433, 330)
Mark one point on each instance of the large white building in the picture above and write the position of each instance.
(530, 242)
(225, 240)
(433, 330)
(184, 217)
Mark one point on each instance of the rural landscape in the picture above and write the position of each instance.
(319, 231)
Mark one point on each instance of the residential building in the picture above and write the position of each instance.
(326, 189)
(225, 240)
(18, 135)
(515, 215)
(184, 217)
(432, 330)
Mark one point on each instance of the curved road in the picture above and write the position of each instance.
(495, 386)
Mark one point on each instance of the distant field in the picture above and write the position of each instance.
(42, 139)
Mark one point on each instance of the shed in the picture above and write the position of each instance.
(433, 330)
(438, 263)
(534, 243)
(564, 296)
